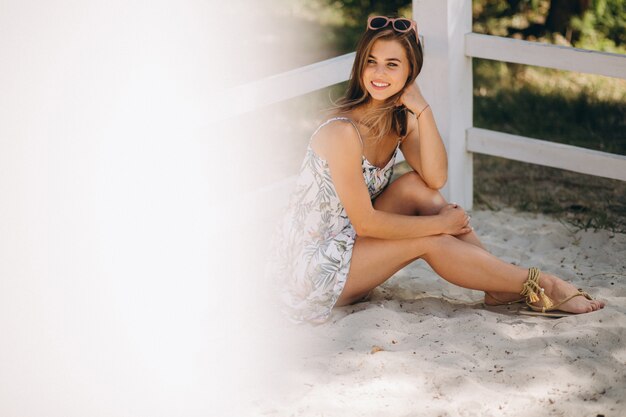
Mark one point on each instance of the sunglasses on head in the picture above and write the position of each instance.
(399, 24)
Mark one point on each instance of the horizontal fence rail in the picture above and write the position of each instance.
(541, 152)
(276, 88)
(251, 96)
(545, 55)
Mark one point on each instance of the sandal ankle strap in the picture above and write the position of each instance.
(533, 291)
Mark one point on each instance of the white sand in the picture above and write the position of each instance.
(423, 347)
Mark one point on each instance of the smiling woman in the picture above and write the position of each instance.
(348, 228)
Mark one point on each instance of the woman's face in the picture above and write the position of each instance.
(386, 69)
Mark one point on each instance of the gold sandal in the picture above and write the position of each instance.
(533, 292)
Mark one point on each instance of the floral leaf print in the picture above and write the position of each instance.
(317, 238)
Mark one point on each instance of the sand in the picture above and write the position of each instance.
(423, 347)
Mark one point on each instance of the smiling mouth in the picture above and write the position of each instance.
(379, 85)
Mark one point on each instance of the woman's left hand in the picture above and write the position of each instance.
(412, 98)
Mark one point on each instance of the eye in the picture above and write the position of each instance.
(371, 61)
(391, 64)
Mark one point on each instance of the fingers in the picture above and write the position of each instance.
(461, 218)
(464, 231)
(466, 226)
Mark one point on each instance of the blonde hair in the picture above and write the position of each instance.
(386, 118)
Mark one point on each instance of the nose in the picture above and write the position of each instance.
(380, 69)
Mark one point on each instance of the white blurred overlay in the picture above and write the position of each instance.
(122, 291)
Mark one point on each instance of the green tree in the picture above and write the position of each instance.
(356, 12)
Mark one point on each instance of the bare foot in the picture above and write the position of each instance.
(499, 298)
(558, 290)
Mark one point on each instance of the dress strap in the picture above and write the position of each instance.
(341, 118)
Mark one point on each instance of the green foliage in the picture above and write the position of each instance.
(357, 11)
(610, 18)
(603, 26)
(497, 9)
(354, 14)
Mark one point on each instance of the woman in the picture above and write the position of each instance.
(348, 230)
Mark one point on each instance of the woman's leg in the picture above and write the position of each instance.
(461, 263)
(410, 195)
(375, 260)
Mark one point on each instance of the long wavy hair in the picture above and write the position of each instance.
(388, 117)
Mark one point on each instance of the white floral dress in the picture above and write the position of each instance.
(314, 242)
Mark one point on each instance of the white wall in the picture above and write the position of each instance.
(119, 293)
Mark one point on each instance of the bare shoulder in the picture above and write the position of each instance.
(338, 137)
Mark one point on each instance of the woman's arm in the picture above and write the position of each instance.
(423, 147)
(339, 145)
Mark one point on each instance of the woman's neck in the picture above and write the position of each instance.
(359, 112)
(372, 104)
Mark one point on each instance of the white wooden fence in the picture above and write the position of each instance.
(446, 81)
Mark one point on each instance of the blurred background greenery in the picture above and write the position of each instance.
(579, 109)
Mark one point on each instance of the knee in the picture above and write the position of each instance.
(427, 200)
(411, 183)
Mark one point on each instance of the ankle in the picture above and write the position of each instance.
(547, 282)
(538, 287)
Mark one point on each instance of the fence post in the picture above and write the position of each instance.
(446, 81)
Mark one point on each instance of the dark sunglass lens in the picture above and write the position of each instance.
(378, 22)
(402, 25)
